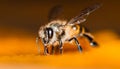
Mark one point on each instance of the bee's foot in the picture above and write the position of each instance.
(80, 48)
(46, 54)
(94, 44)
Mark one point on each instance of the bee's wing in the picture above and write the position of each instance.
(84, 13)
(55, 12)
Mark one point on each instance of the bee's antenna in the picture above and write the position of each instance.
(38, 46)
(85, 12)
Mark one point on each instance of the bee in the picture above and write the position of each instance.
(61, 31)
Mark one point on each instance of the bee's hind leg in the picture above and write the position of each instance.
(90, 38)
(77, 43)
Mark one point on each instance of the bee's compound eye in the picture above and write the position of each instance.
(74, 27)
(49, 32)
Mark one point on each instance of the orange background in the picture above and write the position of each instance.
(20, 21)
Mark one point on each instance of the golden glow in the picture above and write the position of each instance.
(24, 50)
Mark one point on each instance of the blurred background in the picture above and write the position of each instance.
(22, 17)
(20, 21)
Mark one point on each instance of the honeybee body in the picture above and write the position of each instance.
(60, 31)
(64, 32)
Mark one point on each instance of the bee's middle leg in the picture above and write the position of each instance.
(77, 43)
(53, 50)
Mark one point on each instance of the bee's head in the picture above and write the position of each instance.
(46, 34)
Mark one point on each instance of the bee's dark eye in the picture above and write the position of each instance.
(49, 32)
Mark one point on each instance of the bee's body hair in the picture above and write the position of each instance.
(57, 32)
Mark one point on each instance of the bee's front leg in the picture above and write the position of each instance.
(45, 50)
(77, 43)
(60, 46)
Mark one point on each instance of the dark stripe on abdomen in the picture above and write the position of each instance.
(81, 28)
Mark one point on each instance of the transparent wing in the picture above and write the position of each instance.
(84, 13)
(55, 12)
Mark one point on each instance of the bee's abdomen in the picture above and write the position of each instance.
(82, 29)
(77, 29)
